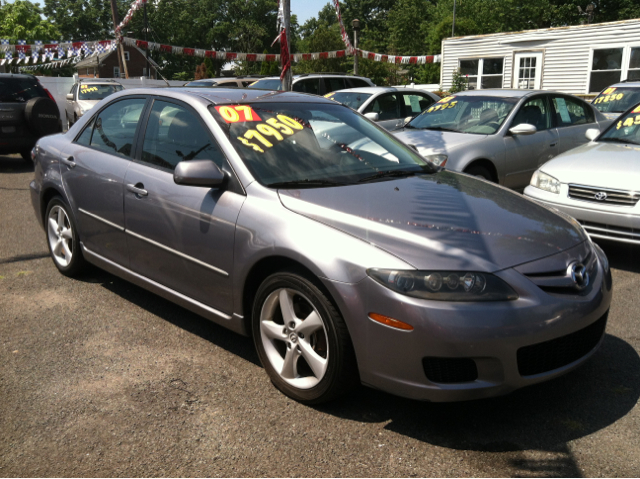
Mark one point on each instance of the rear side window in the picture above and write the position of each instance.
(415, 104)
(570, 112)
(333, 84)
(20, 90)
(115, 127)
(310, 85)
(228, 84)
(356, 83)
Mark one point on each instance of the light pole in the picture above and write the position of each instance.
(356, 27)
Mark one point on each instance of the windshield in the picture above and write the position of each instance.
(625, 130)
(18, 90)
(200, 83)
(481, 115)
(617, 100)
(313, 143)
(267, 84)
(96, 92)
(351, 99)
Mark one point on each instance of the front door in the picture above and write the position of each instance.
(181, 236)
(527, 71)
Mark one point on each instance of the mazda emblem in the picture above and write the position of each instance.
(579, 275)
(600, 196)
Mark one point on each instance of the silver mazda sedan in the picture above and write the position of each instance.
(347, 256)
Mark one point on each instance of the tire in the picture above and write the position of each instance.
(62, 238)
(43, 116)
(481, 172)
(311, 363)
(69, 124)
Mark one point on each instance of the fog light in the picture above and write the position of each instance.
(393, 323)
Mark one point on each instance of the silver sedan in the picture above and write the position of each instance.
(501, 135)
(344, 254)
(597, 183)
(389, 107)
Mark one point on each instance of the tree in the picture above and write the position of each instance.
(21, 20)
(86, 20)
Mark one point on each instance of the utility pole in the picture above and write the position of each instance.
(114, 14)
(356, 26)
(146, 29)
(286, 83)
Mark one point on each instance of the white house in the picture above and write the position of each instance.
(578, 59)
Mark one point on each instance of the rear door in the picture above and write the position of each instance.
(333, 84)
(93, 171)
(181, 236)
(389, 110)
(308, 85)
(573, 118)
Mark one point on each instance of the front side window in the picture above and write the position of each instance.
(534, 112)
(483, 72)
(90, 91)
(175, 134)
(606, 68)
(569, 112)
(386, 106)
(115, 127)
(267, 84)
(310, 85)
(298, 145)
(481, 115)
(349, 98)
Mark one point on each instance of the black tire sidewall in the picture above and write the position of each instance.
(329, 386)
(480, 171)
(77, 261)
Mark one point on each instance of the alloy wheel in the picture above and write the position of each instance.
(60, 235)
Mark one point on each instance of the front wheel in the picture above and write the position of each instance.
(480, 172)
(302, 340)
(62, 238)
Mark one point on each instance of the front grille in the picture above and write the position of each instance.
(450, 370)
(619, 233)
(556, 353)
(608, 196)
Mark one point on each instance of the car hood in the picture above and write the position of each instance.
(606, 164)
(612, 115)
(430, 142)
(441, 221)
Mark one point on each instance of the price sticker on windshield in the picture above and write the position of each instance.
(608, 91)
(271, 132)
(444, 106)
(630, 121)
(609, 98)
(237, 113)
(87, 88)
(447, 99)
(329, 95)
(636, 109)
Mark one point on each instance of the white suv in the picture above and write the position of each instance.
(316, 83)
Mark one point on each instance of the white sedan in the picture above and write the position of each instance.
(390, 107)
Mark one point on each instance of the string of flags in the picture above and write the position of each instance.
(52, 54)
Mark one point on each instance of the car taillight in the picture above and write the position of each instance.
(49, 93)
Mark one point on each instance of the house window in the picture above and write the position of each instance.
(116, 72)
(634, 64)
(483, 73)
(126, 56)
(606, 68)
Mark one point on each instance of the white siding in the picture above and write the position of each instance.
(567, 51)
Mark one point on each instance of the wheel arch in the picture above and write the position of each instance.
(46, 196)
(484, 163)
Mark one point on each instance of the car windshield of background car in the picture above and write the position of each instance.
(314, 143)
(267, 84)
(17, 90)
(96, 92)
(351, 99)
(624, 130)
(617, 100)
(480, 115)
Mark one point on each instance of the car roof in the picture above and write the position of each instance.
(22, 76)
(380, 89)
(632, 83)
(221, 95)
(311, 75)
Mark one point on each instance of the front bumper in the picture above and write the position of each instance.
(616, 223)
(496, 337)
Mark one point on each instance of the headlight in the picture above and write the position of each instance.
(445, 285)
(438, 160)
(545, 182)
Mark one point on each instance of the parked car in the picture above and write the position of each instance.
(597, 183)
(501, 135)
(226, 82)
(85, 94)
(27, 112)
(616, 99)
(390, 107)
(345, 254)
(315, 83)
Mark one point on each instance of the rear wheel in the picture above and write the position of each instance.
(62, 238)
(302, 340)
(480, 172)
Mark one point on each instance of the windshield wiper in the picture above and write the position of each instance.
(388, 174)
(306, 183)
(619, 140)
(440, 128)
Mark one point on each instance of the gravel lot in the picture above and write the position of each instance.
(101, 378)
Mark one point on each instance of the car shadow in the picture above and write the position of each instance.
(542, 417)
(621, 256)
(14, 164)
(178, 316)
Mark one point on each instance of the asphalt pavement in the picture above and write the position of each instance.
(101, 378)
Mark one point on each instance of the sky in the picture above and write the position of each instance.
(305, 9)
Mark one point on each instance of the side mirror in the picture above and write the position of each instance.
(523, 129)
(70, 96)
(373, 116)
(199, 173)
(592, 134)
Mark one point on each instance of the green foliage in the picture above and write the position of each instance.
(182, 76)
(269, 68)
(80, 20)
(21, 20)
(459, 82)
(321, 35)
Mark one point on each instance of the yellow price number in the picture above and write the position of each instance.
(631, 121)
(608, 98)
(87, 88)
(271, 131)
(608, 91)
(447, 99)
(442, 107)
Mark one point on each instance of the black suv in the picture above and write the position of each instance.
(27, 113)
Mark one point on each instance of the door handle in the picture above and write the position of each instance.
(553, 144)
(138, 189)
(70, 162)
